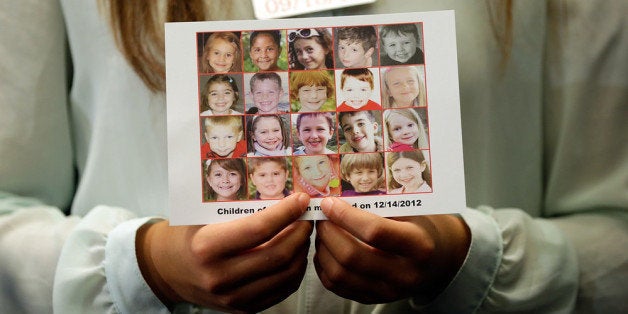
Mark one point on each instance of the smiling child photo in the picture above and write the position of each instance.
(310, 49)
(405, 129)
(266, 51)
(315, 133)
(359, 89)
(220, 95)
(401, 44)
(221, 52)
(408, 172)
(269, 177)
(223, 137)
(266, 92)
(312, 91)
(317, 175)
(225, 179)
(404, 86)
(364, 173)
(269, 135)
(360, 131)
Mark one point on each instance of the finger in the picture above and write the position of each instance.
(266, 291)
(251, 231)
(398, 271)
(379, 232)
(346, 283)
(270, 257)
(332, 274)
(352, 253)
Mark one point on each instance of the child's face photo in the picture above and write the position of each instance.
(266, 95)
(220, 98)
(270, 180)
(225, 183)
(264, 52)
(359, 131)
(312, 97)
(268, 133)
(314, 132)
(310, 53)
(403, 86)
(408, 173)
(400, 47)
(316, 170)
(363, 179)
(352, 54)
(221, 55)
(223, 140)
(356, 92)
(402, 129)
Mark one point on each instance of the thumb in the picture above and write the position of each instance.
(251, 231)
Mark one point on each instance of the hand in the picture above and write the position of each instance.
(371, 259)
(247, 264)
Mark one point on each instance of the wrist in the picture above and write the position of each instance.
(452, 246)
(147, 242)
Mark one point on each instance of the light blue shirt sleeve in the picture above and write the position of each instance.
(514, 262)
(471, 285)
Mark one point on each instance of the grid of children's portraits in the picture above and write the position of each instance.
(337, 111)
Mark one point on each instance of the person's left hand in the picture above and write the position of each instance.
(371, 259)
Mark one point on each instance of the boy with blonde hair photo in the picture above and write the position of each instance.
(224, 137)
(267, 91)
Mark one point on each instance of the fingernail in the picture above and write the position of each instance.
(327, 203)
(302, 198)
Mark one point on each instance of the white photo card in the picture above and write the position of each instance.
(261, 109)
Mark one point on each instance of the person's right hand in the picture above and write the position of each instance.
(245, 265)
